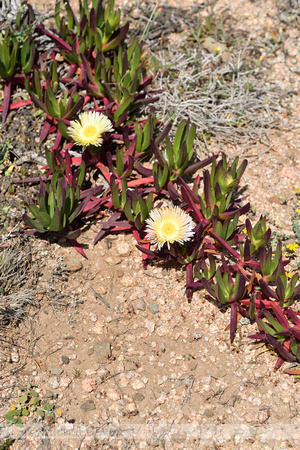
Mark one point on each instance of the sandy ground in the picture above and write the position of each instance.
(147, 369)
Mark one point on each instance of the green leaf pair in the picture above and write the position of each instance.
(225, 290)
(227, 177)
(137, 209)
(58, 205)
(258, 235)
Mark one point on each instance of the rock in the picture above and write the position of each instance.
(139, 305)
(56, 371)
(65, 360)
(153, 308)
(123, 249)
(163, 330)
(89, 405)
(178, 437)
(101, 290)
(274, 199)
(48, 394)
(73, 264)
(94, 318)
(103, 374)
(197, 336)
(65, 382)
(244, 321)
(150, 326)
(208, 413)
(214, 46)
(53, 382)
(43, 367)
(138, 397)
(102, 351)
(15, 357)
(112, 260)
(113, 394)
(132, 409)
(120, 273)
(89, 385)
(138, 293)
(138, 385)
(124, 382)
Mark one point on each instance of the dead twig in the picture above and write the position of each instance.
(100, 298)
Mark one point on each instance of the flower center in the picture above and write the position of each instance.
(168, 229)
(89, 131)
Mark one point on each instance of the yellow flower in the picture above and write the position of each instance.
(217, 49)
(9, 170)
(288, 274)
(292, 247)
(89, 129)
(167, 225)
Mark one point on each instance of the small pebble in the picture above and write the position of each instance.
(150, 326)
(89, 385)
(101, 290)
(123, 248)
(73, 264)
(65, 382)
(153, 308)
(197, 336)
(65, 360)
(102, 351)
(112, 260)
(53, 382)
(138, 385)
(48, 394)
(56, 371)
(113, 394)
(139, 305)
(178, 437)
(89, 405)
(138, 397)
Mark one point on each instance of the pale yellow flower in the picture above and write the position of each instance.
(89, 129)
(167, 225)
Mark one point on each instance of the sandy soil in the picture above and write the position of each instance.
(146, 369)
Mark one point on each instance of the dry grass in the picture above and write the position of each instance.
(227, 102)
(15, 278)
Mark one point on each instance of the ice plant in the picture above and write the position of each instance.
(167, 225)
(89, 129)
